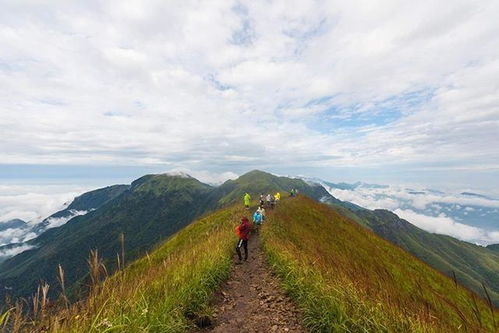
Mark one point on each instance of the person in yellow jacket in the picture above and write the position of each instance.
(247, 200)
(277, 196)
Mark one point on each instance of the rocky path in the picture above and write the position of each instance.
(252, 301)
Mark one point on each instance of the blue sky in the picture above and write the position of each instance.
(389, 92)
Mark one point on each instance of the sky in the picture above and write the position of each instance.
(380, 91)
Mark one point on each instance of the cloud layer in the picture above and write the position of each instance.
(443, 224)
(471, 218)
(255, 84)
(10, 252)
(32, 204)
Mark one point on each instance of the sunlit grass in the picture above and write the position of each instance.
(166, 291)
(347, 279)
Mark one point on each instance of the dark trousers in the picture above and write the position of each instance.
(244, 244)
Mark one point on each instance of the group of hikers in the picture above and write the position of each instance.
(244, 229)
(268, 200)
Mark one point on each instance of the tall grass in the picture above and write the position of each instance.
(166, 291)
(347, 279)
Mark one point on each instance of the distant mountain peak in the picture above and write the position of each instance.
(13, 224)
(476, 195)
(180, 174)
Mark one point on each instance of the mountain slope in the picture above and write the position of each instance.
(347, 278)
(86, 202)
(167, 290)
(471, 264)
(493, 247)
(343, 277)
(154, 207)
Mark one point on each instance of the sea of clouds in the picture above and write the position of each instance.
(32, 204)
(467, 217)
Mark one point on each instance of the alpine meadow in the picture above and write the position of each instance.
(236, 166)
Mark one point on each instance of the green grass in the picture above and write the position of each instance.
(163, 292)
(472, 265)
(347, 279)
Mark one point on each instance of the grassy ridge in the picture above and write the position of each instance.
(164, 291)
(345, 278)
(470, 264)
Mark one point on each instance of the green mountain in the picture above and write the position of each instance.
(257, 182)
(493, 247)
(151, 209)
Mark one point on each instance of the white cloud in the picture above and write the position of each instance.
(6, 253)
(15, 235)
(54, 222)
(214, 178)
(443, 224)
(33, 203)
(185, 84)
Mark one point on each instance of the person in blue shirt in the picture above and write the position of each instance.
(257, 219)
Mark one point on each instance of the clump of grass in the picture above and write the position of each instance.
(166, 291)
(96, 267)
(347, 279)
(61, 280)
(4, 318)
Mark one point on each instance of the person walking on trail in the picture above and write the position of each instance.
(277, 197)
(269, 198)
(257, 220)
(292, 193)
(243, 230)
(262, 212)
(262, 199)
(272, 202)
(247, 200)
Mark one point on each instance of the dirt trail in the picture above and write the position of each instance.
(252, 301)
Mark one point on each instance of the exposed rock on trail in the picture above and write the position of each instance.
(252, 301)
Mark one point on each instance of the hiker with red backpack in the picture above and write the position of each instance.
(243, 230)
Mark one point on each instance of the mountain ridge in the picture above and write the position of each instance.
(323, 260)
(154, 207)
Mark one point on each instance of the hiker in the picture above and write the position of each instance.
(262, 199)
(277, 197)
(272, 202)
(269, 198)
(243, 231)
(257, 219)
(262, 212)
(247, 200)
(292, 193)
